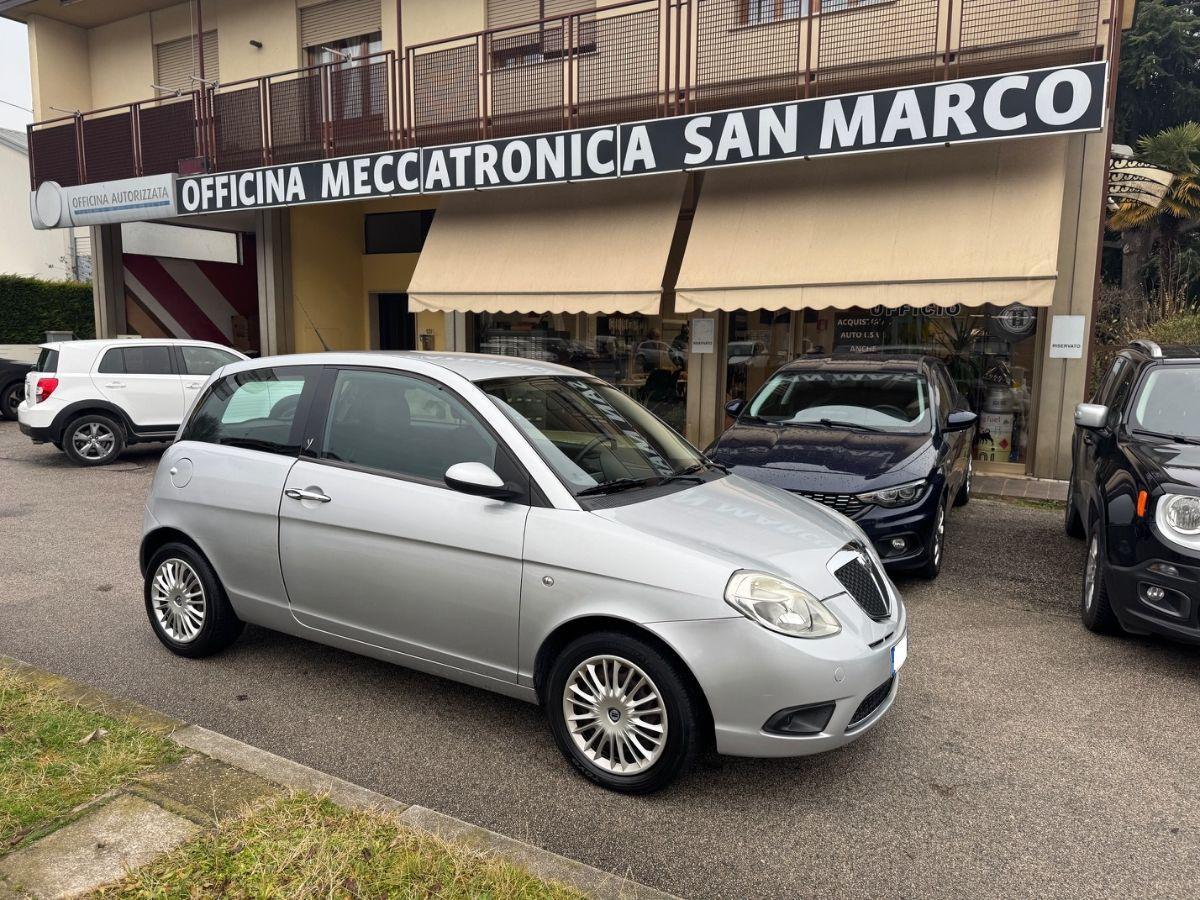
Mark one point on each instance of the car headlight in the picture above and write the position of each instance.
(1182, 513)
(900, 495)
(780, 605)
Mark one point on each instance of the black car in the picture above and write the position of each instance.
(1135, 494)
(12, 384)
(884, 440)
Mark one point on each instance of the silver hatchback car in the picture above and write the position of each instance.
(529, 529)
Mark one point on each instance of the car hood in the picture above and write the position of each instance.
(746, 526)
(823, 459)
(1166, 462)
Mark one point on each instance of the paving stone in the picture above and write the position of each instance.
(125, 833)
(204, 789)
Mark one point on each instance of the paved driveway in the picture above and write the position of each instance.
(1024, 756)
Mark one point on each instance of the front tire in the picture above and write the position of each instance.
(188, 609)
(10, 399)
(935, 549)
(622, 713)
(93, 440)
(1095, 608)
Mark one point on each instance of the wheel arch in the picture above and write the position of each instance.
(155, 540)
(568, 631)
(70, 413)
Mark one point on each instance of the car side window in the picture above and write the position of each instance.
(945, 396)
(255, 409)
(113, 362)
(1119, 393)
(204, 360)
(1106, 383)
(140, 361)
(402, 425)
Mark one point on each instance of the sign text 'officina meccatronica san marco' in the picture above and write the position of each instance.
(1014, 105)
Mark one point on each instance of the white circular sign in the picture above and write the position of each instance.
(48, 203)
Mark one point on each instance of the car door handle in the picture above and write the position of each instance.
(193, 387)
(115, 384)
(313, 494)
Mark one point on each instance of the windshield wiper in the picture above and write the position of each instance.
(617, 484)
(834, 423)
(1176, 438)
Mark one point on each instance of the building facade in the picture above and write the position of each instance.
(51, 255)
(678, 196)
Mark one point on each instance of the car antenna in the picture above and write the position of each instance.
(312, 325)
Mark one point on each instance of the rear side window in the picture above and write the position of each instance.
(47, 361)
(136, 361)
(256, 410)
(204, 360)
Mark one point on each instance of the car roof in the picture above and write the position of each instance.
(471, 366)
(897, 363)
(97, 343)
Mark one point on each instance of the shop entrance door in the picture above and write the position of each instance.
(397, 326)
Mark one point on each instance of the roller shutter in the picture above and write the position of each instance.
(337, 20)
(174, 63)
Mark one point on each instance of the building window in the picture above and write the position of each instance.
(347, 51)
(175, 63)
(542, 42)
(762, 12)
(396, 232)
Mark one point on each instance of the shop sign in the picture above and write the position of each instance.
(128, 200)
(1014, 105)
(704, 335)
(1022, 104)
(859, 333)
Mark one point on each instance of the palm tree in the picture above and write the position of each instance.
(1177, 150)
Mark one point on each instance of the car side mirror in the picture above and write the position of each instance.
(734, 408)
(961, 420)
(478, 480)
(1093, 416)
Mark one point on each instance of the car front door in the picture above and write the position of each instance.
(1113, 391)
(950, 443)
(376, 548)
(143, 381)
(196, 363)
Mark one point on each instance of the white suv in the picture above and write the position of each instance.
(92, 398)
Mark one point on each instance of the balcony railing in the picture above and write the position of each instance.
(630, 60)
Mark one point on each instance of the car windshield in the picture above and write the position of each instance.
(872, 400)
(1167, 403)
(591, 434)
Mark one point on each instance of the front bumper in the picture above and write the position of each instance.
(912, 524)
(748, 674)
(1176, 615)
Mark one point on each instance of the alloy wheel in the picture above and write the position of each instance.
(14, 399)
(939, 534)
(970, 474)
(178, 600)
(615, 715)
(1089, 573)
(93, 441)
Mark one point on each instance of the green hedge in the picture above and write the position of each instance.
(29, 307)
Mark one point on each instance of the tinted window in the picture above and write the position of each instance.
(1106, 385)
(47, 361)
(399, 424)
(255, 409)
(136, 361)
(1167, 402)
(1119, 393)
(113, 362)
(204, 360)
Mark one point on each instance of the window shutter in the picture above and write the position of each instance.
(174, 63)
(337, 20)
(502, 13)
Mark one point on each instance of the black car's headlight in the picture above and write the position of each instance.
(1182, 513)
(900, 495)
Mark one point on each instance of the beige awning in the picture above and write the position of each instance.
(574, 248)
(972, 225)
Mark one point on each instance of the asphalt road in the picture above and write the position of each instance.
(1024, 755)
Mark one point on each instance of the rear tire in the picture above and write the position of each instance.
(93, 439)
(10, 399)
(188, 609)
(622, 695)
(1095, 608)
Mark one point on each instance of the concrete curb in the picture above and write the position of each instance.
(293, 775)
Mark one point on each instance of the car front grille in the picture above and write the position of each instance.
(847, 504)
(859, 580)
(871, 702)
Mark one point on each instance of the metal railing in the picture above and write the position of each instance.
(629, 60)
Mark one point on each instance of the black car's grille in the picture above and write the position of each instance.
(846, 504)
(871, 702)
(858, 578)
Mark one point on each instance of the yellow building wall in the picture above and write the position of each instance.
(427, 20)
(274, 23)
(176, 22)
(332, 279)
(121, 56)
(58, 67)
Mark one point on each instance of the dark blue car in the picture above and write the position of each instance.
(884, 440)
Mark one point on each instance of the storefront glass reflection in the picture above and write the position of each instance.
(990, 352)
(646, 357)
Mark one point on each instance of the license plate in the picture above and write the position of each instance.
(899, 654)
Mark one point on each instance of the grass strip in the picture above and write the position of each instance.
(56, 754)
(306, 846)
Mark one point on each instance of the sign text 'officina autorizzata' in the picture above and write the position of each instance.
(1014, 105)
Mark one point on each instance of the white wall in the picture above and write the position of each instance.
(23, 249)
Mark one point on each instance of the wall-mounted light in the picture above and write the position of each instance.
(257, 45)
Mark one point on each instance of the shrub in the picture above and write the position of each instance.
(29, 307)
